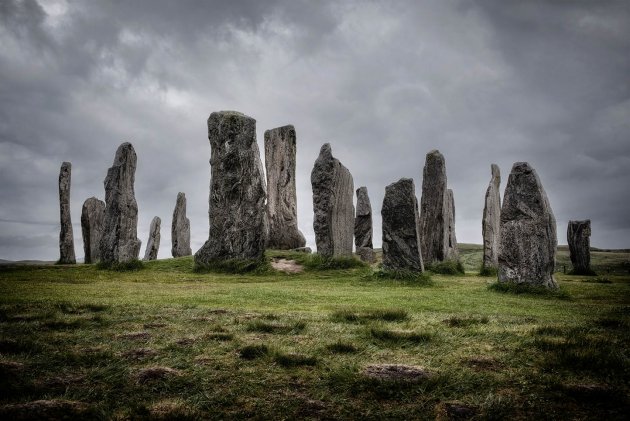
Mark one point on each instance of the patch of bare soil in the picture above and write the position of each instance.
(139, 354)
(154, 325)
(152, 374)
(445, 411)
(134, 336)
(483, 363)
(287, 266)
(46, 410)
(396, 372)
(185, 341)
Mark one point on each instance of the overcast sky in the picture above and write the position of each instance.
(384, 82)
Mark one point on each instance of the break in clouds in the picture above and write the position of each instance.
(384, 82)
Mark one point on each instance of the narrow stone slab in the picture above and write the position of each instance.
(452, 253)
(333, 190)
(433, 224)
(363, 226)
(153, 244)
(579, 239)
(180, 229)
(491, 222)
(92, 217)
(280, 151)
(66, 237)
(527, 251)
(238, 222)
(402, 250)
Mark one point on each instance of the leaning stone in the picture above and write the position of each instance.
(66, 237)
(333, 189)
(92, 216)
(280, 150)
(363, 226)
(119, 242)
(153, 244)
(527, 250)
(433, 226)
(579, 239)
(180, 229)
(452, 253)
(238, 223)
(491, 221)
(401, 239)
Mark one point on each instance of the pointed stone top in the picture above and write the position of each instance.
(496, 172)
(156, 220)
(434, 152)
(124, 151)
(66, 164)
(326, 150)
(181, 195)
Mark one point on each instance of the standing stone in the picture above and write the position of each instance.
(579, 239)
(401, 238)
(491, 222)
(527, 250)
(280, 150)
(180, 229)
(452, 253)
(433, 225)
(363, 226)
(238, 222)
(119, 242)
(333, 191)
(66, 238)
(153, 244)
(92, 216)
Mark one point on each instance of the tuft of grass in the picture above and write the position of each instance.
(447, 267)
(219, 336)
(487, 271)
(456, 321)
(386, 315)
(294, 360)
(235, 266)
(317, 262)
(340, 347)
(251, 352)
(524, 289)
(276, 328)
(130, 266)
(405, 276)
(396, 337)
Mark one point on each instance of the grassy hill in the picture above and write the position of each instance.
(166, 342)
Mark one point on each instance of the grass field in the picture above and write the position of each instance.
(165, 342)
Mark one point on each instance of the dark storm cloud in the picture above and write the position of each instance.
(384, 82)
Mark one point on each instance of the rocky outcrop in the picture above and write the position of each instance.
(153, 244)
(280, 150)
(579, 239)
(119, 242)
(402, 249)
(66, 237)
(452, 253)
(333, 189)
(92, 216)
(527, 249)
(363, 226)
(180, 229)
(433, 224)
(491, 221)
(238, 222)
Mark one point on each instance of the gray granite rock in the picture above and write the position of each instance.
(363, 226)
(92, 217)
(579, 239)
(180, 229)
(66, 237)
(491, 221)
(452, 253)
(527, 248)
(119, 241)
(333, 191)
(153, 244)
(402, 249)
(238, 222)
(280, 150)
(433, 224)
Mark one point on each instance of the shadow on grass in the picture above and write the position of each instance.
(236, 266)
(387, 315)
(524, 289)
(132, 265)
(402, 276)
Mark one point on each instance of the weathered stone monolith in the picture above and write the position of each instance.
(180, 229)
(579, 239)
(433, 225)
(238, 222)
(452, 253)
(66, 237)
(491, 222)
(333, 191)
(280, 150)
(153, 244)
(92, 216)
(119, 241)
(402, 249)
(527, 248)
(363, 227)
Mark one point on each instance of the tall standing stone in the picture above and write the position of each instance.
(119, 242)
(402, 250)
(363, 226)
(92, 216)
(491, 221)
(66, 237)
(180, 229)
(153, 244)
(238, 222)
(579, 239)
(333, 191)
(527, 250)
(280, 150)
(452, 253)
(433, 224)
